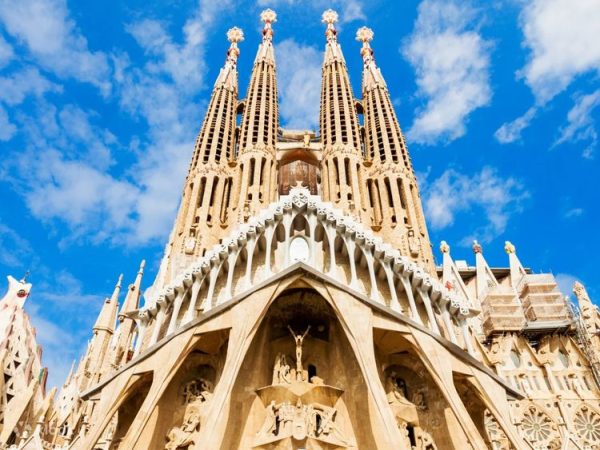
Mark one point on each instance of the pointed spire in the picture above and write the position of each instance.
(266, 52)
(261, 113)
(517, 272)
(484, 277)
(451, 278)
(108, 313)
(371, 74)
(333, 51)
(132, 298)
(228, 74)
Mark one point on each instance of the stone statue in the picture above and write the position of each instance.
(281, 370)
(418, 399)
(425, 441)
(414, 244)
(185, 434)
(270, 425)
(198, 389)
(404, 410)
(299, 339)
(285, 415)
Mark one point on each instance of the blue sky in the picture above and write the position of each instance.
(100, 103)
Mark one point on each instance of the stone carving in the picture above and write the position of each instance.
(539, 430)
(299, 339)
(496, 436)
(406, 413)
(197, 390)
(186, 434)
(418, 399)
(587, 424)
(414, 243)
(195, 394)
(424, 441)
(281, 370)
(300, 421)
(404, 410)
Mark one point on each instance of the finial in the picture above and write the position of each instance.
(509, 248)
(444, 247)
(142, 266)
(580, 292)
(234, 35)
(365, 35)
(476, 247)
(119, 281)
(24, 279)
(330, 17)
(268, 16)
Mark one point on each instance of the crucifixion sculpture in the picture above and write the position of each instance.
(299, 339)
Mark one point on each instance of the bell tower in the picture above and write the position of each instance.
(203, 215)
(258, 135)
(394, 200)
(340, 131)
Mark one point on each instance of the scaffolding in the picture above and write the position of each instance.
(584, 341)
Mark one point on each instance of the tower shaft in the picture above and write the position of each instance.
(257, 177)
(340, 131)
(391, 183)
(203, 214)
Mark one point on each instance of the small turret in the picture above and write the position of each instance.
(108, 313)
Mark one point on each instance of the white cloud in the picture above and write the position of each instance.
(511, 131)
(14, 250)
(485, 193)
(80, 195)
(574, 212)
(52, 37)
(7, 129)
(562, 36)
(6, 52)
(76, 182)
(580, 124)
(451, 61)
(299, 78)
(15, 87)
(565, 283)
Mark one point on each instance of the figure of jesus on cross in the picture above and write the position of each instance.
(299, 339)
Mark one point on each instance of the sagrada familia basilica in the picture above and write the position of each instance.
(299, 306)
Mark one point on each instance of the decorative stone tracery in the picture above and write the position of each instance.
(587, 425)
(231, 269)
(539, 430)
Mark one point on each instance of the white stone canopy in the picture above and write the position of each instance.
(334, 244)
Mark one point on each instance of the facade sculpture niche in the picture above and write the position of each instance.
(300, 384)
(119, 423)
(196, 394)
(417, 404)
(406, 412)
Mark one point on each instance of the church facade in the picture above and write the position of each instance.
(298, 305)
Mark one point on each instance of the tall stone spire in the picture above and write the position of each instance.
(392, 187)
(121, 351)
(340, 130)
(202, 216)
(258, 134)
(95, 361)
(108, 313)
